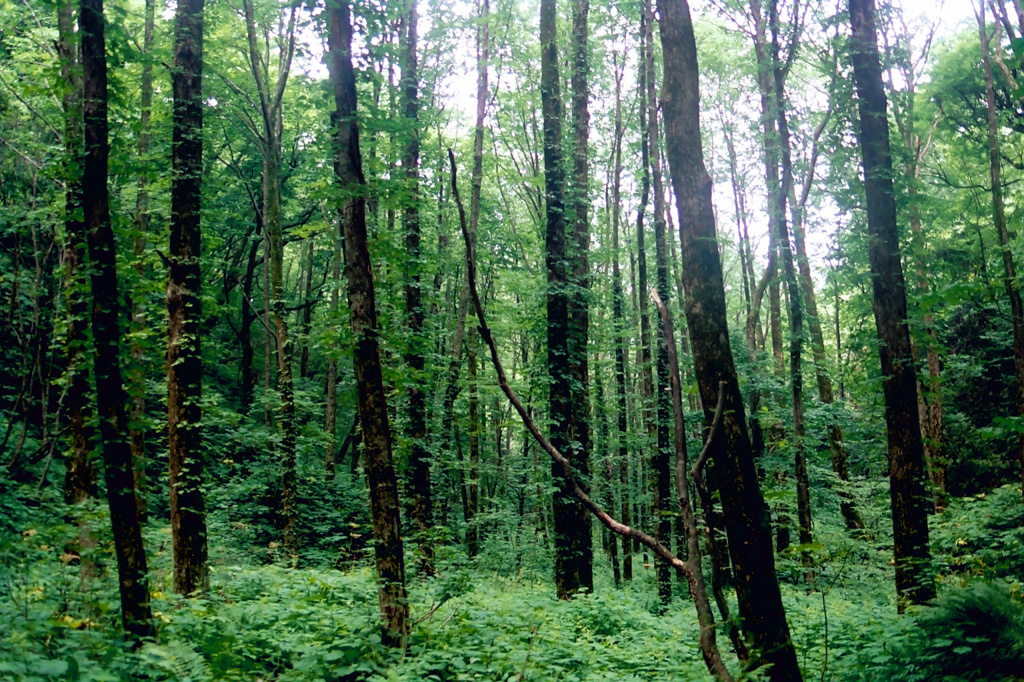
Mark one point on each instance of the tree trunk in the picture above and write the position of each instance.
(373, 411)
(184, 307)
(136, 615)
(569, 519)
(906, 453)
(999, 218)
(80, 479)
(837, 450)
(331, 411)
(136, 423)
(661, 508)
(247, 371)
(419, 457)
(579, 306)
(473, 471)
(771, 80)
(762, 617)
(618, 303)
(307, 309)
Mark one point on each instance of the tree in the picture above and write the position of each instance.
(573, 562)
(419, 463)
(906, 452)
(662, 455)
(184, 307)
(762, 616)
(80, 479)
(136, 615)
(373, 411)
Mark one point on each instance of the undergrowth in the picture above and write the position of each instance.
(261, 621)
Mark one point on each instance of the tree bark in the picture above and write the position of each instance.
(184, 307)
(914, 583)
(136, 615)
(762, 616)
(373, 411)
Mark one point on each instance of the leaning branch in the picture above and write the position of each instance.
(664, 553)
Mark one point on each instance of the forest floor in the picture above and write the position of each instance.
(262, 621)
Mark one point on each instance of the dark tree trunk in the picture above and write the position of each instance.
(331, 410)
(570, 519)
(80, 479)
(906, 452)
(419, 457)
(307, 309)
(247, 371)
(473, 472)
(136, 615)
(579, 305)
(136, 423)
(373, 411)
(184, 307)
(762, 617)
(661, 507)
(618, 303)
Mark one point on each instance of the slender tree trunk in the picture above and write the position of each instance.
(618, 303)
(307, 309)
(80, 479)
(136, 615)
(268, 336)
(914, 583)
(136, 419)
(999, 218)
(837, 450)
(331, 411)
(796, 305)
(662, 455)
(473, 470)
(247, 371)
(579, 296)
(422, 506)
(373, 412)
(184, 307)
(762, 616)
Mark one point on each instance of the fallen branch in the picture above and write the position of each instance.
(715, 666)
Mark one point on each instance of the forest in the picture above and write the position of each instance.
(511, 340)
